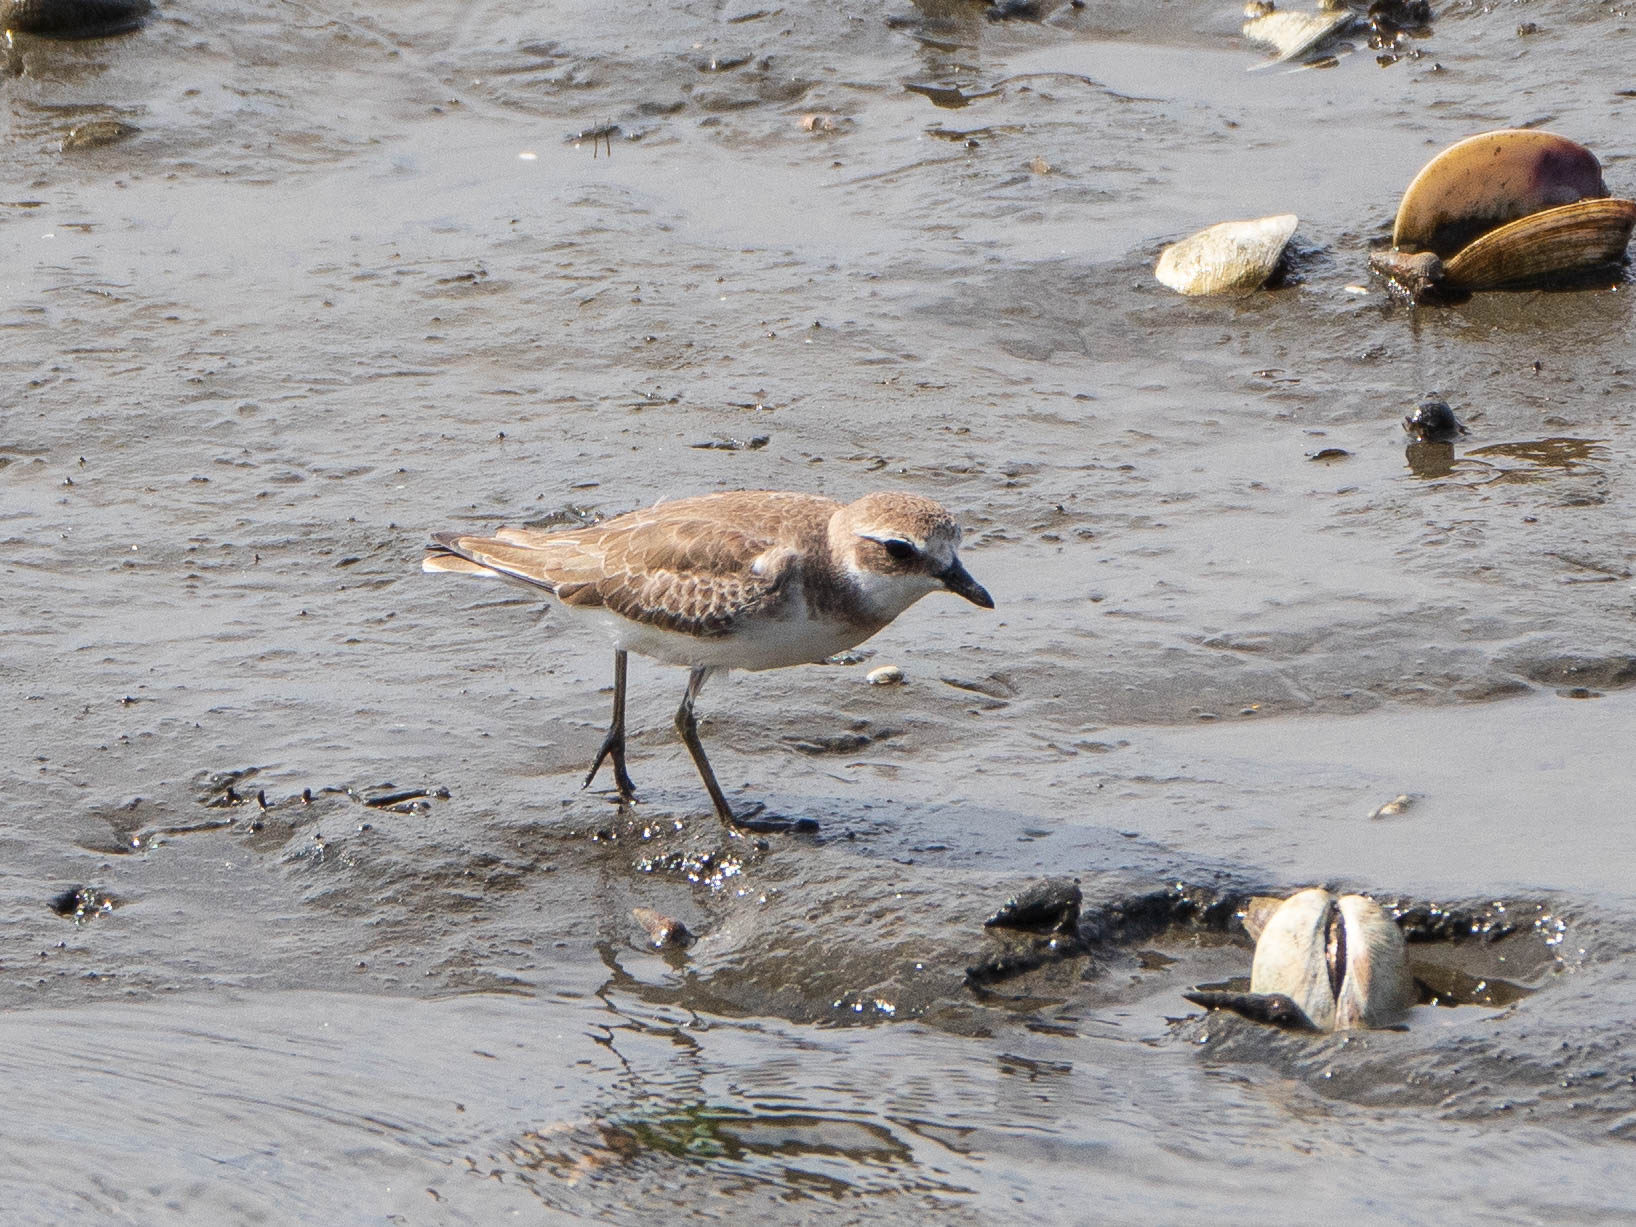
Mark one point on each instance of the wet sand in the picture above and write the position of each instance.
(349, 282)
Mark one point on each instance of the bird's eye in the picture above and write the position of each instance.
(900, 550)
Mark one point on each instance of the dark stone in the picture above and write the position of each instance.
(1432, 421)
(1274, 1009)
(1048, 906)
(73, 18)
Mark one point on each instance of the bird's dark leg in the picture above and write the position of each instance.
(614, 743)
(688, 726)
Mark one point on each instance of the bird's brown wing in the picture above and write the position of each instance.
(674, 566)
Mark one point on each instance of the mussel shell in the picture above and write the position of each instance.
(1488, 180)
(1431, 421)
(1227, 258)
(94, 133)
(1257, 911)
(663, 931)
(1555, 242)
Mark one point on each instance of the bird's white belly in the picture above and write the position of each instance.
(767, 643)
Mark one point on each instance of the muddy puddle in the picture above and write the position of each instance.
(303, 914)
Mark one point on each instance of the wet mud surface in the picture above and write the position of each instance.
(303, 914)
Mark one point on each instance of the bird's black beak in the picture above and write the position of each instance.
(959, 581)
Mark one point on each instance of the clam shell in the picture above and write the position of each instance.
(1567, 239)
(1258, 911)
(1291, 34)
(1377, 988)
(1289, 957)
(1370, 987)
(1227, 258)
(1487, 180)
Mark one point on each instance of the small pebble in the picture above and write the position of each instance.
(886, 675)
(663, 931)
(1397, 805)
(97, 132)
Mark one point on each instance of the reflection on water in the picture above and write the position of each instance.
(1429, 460)
(1534, 460)
(1542, 459)
(797, 1153)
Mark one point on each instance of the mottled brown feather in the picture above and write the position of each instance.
(684, 566)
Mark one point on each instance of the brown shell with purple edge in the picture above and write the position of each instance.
(1508, 208)
(1484, 181)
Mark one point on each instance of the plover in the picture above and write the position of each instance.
(748, 579)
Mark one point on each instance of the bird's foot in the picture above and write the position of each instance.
(624, 800)
(614, 747)
(757, 819)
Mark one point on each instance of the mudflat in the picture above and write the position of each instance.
(336, 934)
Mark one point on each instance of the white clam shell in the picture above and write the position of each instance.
(1292, 34)
(1292, 957)
(1227, 258)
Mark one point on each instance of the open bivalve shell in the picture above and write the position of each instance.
(1227, 258)
(1583, 235)
(1511, 208)
(1341, 960)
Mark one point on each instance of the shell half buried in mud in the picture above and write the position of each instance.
(1292, 34)
(1227, 258)
(1342, 960)
(1505, 209)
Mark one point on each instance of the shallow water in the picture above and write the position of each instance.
(350, 283)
